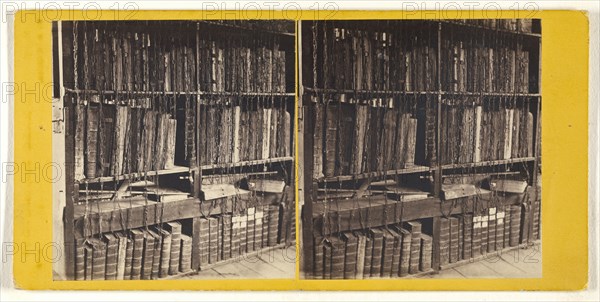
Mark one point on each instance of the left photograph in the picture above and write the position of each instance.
(176, 144)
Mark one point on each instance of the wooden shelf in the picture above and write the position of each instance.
(247, 163)
(243, 28)
(201, 93)
(379, 212)
(369, 92)
(496, 30)
(377, 174)
(488, 163)
(174, 170)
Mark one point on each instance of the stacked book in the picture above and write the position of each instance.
(474, 134)
(108, 140)
(385, 252)
(384, 60)
(519, 25)
(492, 67)
(150, 58)
(232, 134)
(241, 66)
(165, 250)
(352, 138)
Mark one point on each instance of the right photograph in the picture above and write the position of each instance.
(419, 143)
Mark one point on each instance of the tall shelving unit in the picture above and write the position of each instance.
(192, 72)
(343, 201)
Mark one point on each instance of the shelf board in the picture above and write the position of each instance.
(247, 163)
(377, 174)
(244, 28)
(201, 93)
(470, 25)
(345, 215)
(488, 163)
(174, 170)
(486, 256)
(369, 92)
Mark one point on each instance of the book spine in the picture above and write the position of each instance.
(250, 229)
(426, 253)
(204, 242)
(137, 257)
(148, 256)
(377, 254)
(360, 256)
(91, 141)
(259, 217)
(499, 231)
(112, 248)
(415, 252)
(318, 258)
(350, 257)
(213, 238)
(89, 262)
(185, 262)
(405, 253)
(467, 236)
(235, 237)
(79, 259)
(273, 225)
(121, 256)
(476, 243)
(80, 132)
(484, 234)
(165, 254)
(226, 236)
(491, 246)
(337, 258)
(99, 262)
(387, 255)
(368, 257)
(129, 259)
(243, 230)
(444, 240)
(156, 256)
(175, 248)
(515, 225)
(219, 238)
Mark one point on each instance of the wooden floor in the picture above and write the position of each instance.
(274, 264)
(517, 263)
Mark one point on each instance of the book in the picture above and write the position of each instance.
(337, 257)
(515, 225)
(80, 133)
(89, 260)
(156, 253)
(226, 236)
(499, 230)
(377, 251)
(91, 140)
(235, 239)
(318, 258)
(327, 260)
(165, 252)
(250, 229)
(259, 216)
(476, 243)
(368, 255)
(484, 234)
(467, 236)
(387, 257)
(204, 241)
(79, 259)
(318, 141)
(414, 227)
(174, 227)
(147, 255)
(444, 240)
(508, 185)
(273, 225)
(507, 223)
(185, 262)
(492, 225)
(219, 237)
(98, 259)
(360, 254)
(426, 253)
(525, 223)
(112, 247)
(454, 239)
(396, 252)
(137, 237)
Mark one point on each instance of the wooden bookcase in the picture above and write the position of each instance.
(192, 72)
(440, 77)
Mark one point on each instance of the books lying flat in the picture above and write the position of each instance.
(216, 191)
(458, 190)
(508, 185)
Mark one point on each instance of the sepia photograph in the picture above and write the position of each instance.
(420, 148)
(177, 144)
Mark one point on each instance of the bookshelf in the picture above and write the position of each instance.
(472, 87)
(173, 129)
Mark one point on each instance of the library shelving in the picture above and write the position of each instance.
(421, 143)
(178, 144)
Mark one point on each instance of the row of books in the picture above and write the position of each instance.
(113, 140)
(484, 68)
(468, 236)
(137, 59)
(228, 66)
(473, 134)
(353, 139)
(518, 25)
(232, 134)
(386, 252)
(166, 249)
(368, 60)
